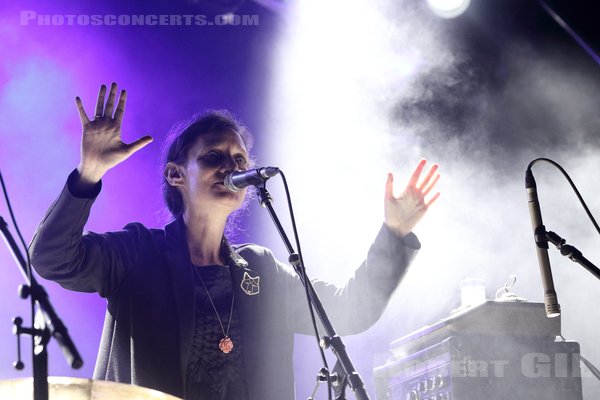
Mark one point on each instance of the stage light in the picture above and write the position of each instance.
(448, 8)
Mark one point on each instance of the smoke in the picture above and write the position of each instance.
(545, 106)
(420, 91)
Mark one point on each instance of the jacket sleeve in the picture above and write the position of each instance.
(361, 302)
(84, 262)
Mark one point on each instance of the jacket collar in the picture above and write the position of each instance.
(175, 236)
(231, 256)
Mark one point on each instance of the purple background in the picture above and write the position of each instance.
(173, 72)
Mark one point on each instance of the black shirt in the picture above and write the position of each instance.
(213, 374)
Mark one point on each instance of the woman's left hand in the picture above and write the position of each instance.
(403, 212)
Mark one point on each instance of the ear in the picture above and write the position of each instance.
(174, 174)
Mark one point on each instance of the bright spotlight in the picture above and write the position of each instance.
(448, 8)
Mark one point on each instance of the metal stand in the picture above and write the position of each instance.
(47, 325)
(332, 340)
(338, 382)
(573, 254)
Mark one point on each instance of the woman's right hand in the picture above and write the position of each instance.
(101, 144)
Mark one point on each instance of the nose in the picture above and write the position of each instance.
(230, 165)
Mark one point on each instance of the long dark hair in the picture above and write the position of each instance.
(183, 136)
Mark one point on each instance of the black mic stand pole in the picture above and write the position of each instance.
(572, 252)
(47, 325)
(332, 340)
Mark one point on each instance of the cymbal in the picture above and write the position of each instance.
(65, 388)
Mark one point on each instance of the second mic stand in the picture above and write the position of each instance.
(572, 252)
(47, 325)
(332, 340)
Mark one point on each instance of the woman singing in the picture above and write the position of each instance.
(188, 313)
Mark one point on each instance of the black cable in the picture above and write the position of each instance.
(585, 207)
(12, 217)
(586, 362)
(29, 273)
(305, 279)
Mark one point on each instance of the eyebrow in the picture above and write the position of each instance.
(242, 151)
(217, 137)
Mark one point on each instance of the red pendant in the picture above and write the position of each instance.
(226, 345)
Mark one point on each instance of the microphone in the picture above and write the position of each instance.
(239, 180)
(541, 241)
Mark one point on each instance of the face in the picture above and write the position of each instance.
(210, 160)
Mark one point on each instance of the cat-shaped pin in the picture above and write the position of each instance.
(250, 285)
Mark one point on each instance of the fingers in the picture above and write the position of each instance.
(100, 102)
(82, 114)
(138, 144)
(389, 186)
(430, 185)
(110, 103)
(425, 182)
(121, 106)
(414, 179)
(432, 200)
(425, 186)
(107, 111)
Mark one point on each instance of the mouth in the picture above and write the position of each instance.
(220, 185)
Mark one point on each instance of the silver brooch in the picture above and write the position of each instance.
(250, 285)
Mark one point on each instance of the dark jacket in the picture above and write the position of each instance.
(146, 276)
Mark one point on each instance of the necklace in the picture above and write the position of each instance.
(225, 344)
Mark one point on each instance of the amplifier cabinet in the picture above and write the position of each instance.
(474, 364)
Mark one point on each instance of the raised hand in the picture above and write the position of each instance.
(402, 213)
(101, 144)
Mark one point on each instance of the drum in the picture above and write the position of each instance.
(64, 388)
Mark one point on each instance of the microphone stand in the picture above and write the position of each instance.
(47, 325)
(572, 252)
(332, 340)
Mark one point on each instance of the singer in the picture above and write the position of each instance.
(188, 313)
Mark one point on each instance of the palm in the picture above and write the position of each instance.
(101, 144)
(403, 212)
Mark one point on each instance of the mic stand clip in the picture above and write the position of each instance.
(573, 253)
